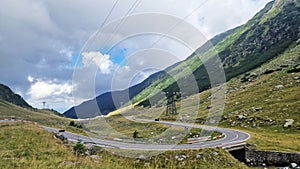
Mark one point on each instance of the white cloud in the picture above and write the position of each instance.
(43, 89)
(66, 52)
(102, 61)
(30, 79)
(56, 94)
(39, 38)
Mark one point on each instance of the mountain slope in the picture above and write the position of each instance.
(265, 36)
(113, 100)
(262, 38)
(258, 102)
(8, 95)
(110, 101)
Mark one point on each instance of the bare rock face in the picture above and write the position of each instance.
(288, 123)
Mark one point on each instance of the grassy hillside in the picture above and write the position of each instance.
(41, 117)
(8, 95)
(114, 99)
(261, 39)
(28, 146)
(268, 34)
(258, 102)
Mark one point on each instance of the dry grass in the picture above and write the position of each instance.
(28, 146)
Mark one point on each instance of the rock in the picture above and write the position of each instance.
(69, 163)
(142, 157)
(279, 86)
(233, 124)
(241, 117)
(244, 79)
(258, 109)
(60, 136)
(295, 69)
(248, 77)
(288, 123)
(268, 71)
(234, 112)
(199, 155)
(215, 153)
(284, 65)
(147, 165)
(253, 75)
(293, 165)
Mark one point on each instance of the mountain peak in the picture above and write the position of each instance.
(268, 34)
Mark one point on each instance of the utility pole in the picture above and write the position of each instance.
(44, 104)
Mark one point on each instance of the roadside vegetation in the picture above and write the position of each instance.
(42, 117)
(28, 146)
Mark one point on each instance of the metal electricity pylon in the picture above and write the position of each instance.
(171, 104)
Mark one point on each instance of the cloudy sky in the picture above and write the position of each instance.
(52, 49)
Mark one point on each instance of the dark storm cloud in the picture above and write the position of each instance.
(42, 39)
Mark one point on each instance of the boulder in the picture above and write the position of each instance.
(279, 86)
(295, 69)
(293, 165)
(241, 117)
(142, 157)
(268, 71)
(288, 123)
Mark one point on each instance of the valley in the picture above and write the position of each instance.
(245, 102)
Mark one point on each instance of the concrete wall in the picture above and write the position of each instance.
(257, 158)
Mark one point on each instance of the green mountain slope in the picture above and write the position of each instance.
(110, 101)
(258, 102)
(8, 95)
(267, 35)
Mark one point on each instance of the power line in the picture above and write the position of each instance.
(110, 12)
(105, 20)
(178, 23)
(131, 9)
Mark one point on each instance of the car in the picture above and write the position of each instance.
(61, 131)
(156, 119)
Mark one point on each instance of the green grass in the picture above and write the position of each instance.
(265, 125)
(28, 146)
(42, 117)
(118, 127)
(246, 48)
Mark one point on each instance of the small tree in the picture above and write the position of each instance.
(72, 123)
(79, 148)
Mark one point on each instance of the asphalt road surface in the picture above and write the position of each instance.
(232, 137)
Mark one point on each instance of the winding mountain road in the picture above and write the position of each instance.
(232, 137)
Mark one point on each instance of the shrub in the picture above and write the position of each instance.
(79, 148)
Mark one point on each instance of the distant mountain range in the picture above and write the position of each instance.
(269, 33)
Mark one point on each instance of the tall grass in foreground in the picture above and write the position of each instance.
(28, 146)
